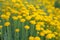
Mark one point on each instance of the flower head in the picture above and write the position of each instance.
(6, 23)
(27, 27)
(17, 30)
(37, 38)
(31, 38)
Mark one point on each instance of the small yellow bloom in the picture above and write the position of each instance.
(22, 20)
(58, 27)
(7, 24)
(33, 22)
(0, 26)
(8, 13)
(26, 3)
(42, 34)
(15, 18)
(37, 27)
(37, 17)
(17, 30)
(19, 16)
(37, 38)
(31, 38)
(48, 31)
(40, 23)
(27, 27)
(28, 17)
(49, 11)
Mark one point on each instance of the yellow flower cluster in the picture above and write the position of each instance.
(23, 14)
(49, 36)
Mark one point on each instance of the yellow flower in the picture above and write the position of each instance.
(49, 11)
(31, 38)
(37, 6)
(24, 15)
(17, 30)
(58, 27)
(17, 5)
(13, 0)
(48, 31)
(27, 27)
(37, 38)
(14, 11)
(40, 23)
(28, 17)
(7, 24)
(0, 26)
(33, 22)
(8, 13)
(19, 16)
(22, 20)
(37, 27)
(41, 28)
(26, 3)
(37, 17)
(15, 18)
(49, 36)
(42, 34)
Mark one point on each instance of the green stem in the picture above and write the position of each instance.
(26, 37)
(8, 28)
(17, 36)
(23, 32)
(19, 26)
(9, 33)
(32, 30)
(4, 30)
(17, 33)
(15, 26)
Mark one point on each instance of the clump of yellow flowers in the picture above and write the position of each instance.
(29, 20)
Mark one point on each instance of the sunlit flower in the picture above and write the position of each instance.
(42, 34)
(22, 20)
(38, 27)
(33, 22)
(27, 27)
(31, 38)
(7, 24)
(28, 17)
(37, 38)
(17, 30)
(15, 18)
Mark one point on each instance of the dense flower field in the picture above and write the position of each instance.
(29, 20)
